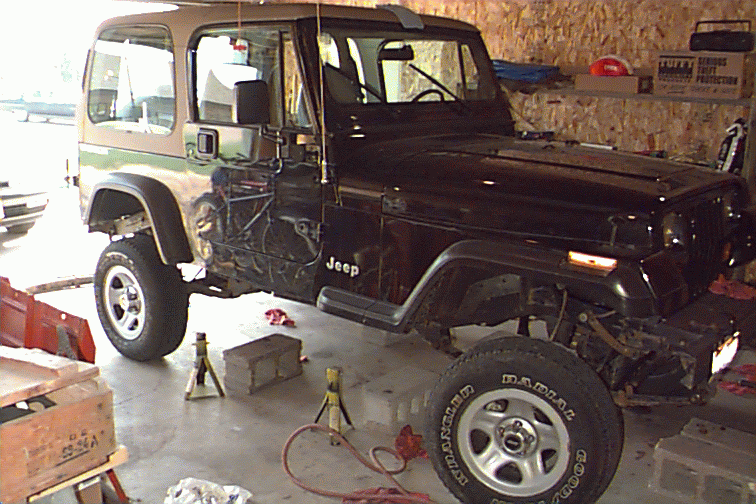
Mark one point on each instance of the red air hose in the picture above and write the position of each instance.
(403, 497)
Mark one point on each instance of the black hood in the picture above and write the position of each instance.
(534, 189)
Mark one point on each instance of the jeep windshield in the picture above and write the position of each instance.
(370, 67)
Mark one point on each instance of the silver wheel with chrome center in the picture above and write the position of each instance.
(514, 442)
(124, 301)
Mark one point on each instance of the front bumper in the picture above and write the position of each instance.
(715, 315)
(20, 210)
(681, 350)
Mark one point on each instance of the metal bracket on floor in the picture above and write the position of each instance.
(201, 367)
(334, 403)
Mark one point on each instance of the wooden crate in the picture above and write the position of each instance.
(71, 433)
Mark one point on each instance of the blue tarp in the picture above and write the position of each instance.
(524, 72)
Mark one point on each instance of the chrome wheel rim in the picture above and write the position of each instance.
(514, 442)
(124, 302)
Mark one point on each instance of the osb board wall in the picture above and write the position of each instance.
(687, 131)
(576, 32)
(571, 33)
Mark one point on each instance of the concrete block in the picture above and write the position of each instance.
(262, 362)
(706, 464)
(397, 399)
(719, 435)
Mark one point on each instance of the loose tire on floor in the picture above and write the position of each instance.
(518, 420)
(141, 302)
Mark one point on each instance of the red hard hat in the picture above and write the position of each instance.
(611, 65)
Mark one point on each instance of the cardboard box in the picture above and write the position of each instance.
(66, 432)
(628, 84)
(704, 74)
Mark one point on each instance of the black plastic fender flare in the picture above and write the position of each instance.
(633, 288)
(625, 289)
(159, 204)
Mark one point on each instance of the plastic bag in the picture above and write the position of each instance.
(197, 491)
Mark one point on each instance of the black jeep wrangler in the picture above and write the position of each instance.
(366, 161)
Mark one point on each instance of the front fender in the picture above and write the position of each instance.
(634, 288)
(154, 198)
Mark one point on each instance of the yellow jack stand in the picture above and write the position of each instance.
(201, 366)
(333, 402)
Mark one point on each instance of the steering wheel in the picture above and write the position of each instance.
(419, 96)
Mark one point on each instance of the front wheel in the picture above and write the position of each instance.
(141, 302)
(519, 420)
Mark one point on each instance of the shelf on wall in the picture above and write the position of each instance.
(743, 102)
(749, 163)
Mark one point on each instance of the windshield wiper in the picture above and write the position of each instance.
(440, 85)
(384, 104)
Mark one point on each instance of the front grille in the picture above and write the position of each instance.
(706, 240)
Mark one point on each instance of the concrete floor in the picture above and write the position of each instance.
(238, 440)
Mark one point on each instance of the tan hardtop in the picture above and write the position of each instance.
(184, 21)
(190, 18)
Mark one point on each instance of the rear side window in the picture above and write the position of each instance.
(131, 83)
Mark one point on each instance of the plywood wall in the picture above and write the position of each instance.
(686, 131)
(571, 33)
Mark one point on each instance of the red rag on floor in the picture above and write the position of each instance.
(409, 445)
(735, 388)
(732, 289)
(276, 316)
(748, 372)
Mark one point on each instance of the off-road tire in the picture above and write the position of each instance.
(141, 302)
(513, 404)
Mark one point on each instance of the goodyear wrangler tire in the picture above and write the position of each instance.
(517, 420)
(141, 302)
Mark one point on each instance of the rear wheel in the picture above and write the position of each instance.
(521, 420)
(141, 302)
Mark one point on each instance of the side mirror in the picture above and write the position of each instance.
(251, 102)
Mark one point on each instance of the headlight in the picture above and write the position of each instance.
(674, 230)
